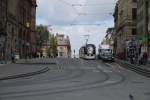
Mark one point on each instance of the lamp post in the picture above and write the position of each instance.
(74, 53)
(27, 44)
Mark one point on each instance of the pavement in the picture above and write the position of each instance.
(140, 69)
(145, 67)
(37, 61)
(21, 69)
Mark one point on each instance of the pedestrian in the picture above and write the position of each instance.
(145, 58)
(13, 58)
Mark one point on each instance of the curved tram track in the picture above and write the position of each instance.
(69, 75)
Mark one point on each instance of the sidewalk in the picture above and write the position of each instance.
(146, 67)
(24, 68)
(13, 71)
(140, 69)
(36, 61)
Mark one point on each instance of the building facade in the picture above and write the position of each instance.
(63, 46)
(143, 26)
(3, 24)
(109, 37)
(116, 25)
(125, 16)
(20, 27)
(149, 29)
(33, 27)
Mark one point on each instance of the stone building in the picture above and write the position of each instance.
(33, 26)
(143, 26)
(125, 16)
(20, 27)
(63, 46)
(149, 29)
(109, 36)
(3, 24)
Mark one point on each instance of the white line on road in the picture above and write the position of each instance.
(96, 71)
(119, 66)
(104, 70)
(113, 67)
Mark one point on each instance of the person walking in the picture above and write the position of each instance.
(13, 58)
(145, 58)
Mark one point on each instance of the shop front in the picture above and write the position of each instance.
(144, 46)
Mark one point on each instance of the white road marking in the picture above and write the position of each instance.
(96, 71)
(104, 70)
(119, 66)
(113, 67)
(110, 81)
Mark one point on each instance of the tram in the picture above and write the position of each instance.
(88, 52)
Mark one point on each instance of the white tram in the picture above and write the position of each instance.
(88, 52)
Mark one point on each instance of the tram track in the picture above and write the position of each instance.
(90, 85)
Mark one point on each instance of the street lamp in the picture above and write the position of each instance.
(27, 44)
(74, 53)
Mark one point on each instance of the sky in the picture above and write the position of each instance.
(77, 18)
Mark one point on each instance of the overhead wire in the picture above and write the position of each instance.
(94, 5)
(74, 7)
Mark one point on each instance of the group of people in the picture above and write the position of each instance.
(135, 59)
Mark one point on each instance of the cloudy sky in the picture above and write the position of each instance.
(77, 18)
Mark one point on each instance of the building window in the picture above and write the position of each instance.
(134, 32)
(61, 48)
(134, 13)
(60, 54)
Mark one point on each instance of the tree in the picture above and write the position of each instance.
(52, 51)
(42, 35)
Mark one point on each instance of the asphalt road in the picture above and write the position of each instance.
(75, 79)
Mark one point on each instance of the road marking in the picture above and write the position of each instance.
(104, 70)
(113, 67)
(96, 71)
(119, 66)
(110, 81)
(107, 71)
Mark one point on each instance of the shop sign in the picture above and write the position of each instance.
(143, 39)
